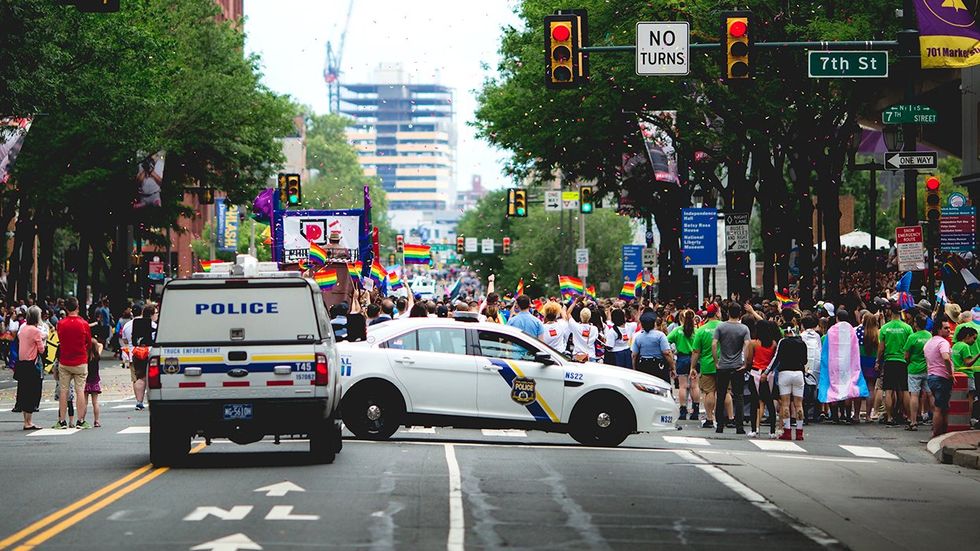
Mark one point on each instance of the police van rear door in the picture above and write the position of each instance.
(241, 338)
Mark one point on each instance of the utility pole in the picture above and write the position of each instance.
(251, 239)
(581, 240)
(214, 229)
(908, 51)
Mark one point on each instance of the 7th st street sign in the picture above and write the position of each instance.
(910, 160)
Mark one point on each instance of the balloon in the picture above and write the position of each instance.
(262, 206)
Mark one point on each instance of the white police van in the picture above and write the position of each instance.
(243, 352)
(445, 372)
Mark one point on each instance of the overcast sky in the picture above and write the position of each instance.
(442, 41)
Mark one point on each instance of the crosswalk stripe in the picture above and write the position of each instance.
(869, 451)
(54, 432)
(687, 440)
(505, 432)
(125, 406)
(777, 446)
(421, 430)
(135, 430)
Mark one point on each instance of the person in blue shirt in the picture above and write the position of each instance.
(525, 320)
(651, 349)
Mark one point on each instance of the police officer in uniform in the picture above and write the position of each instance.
(651, 350)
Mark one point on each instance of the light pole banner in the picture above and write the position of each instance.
(949, 37)
(13, 130)
(227, 225)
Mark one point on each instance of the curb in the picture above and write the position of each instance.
(960, 448)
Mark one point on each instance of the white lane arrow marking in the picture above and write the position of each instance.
(233, 542)
(280, 489)
(285, 512)
(238, 512)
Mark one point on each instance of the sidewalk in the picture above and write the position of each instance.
(960, 448)
(116, 385)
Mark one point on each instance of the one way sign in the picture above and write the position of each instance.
(911, 159)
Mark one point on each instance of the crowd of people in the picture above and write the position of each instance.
(55, 338)
(728, 360)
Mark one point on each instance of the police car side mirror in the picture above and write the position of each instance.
(544, 358)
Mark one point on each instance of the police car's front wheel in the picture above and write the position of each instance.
(373, 411)
(602, 420)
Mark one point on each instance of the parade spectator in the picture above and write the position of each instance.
(728, 347)
(555, 327)
(619, 333)
(74, 335)
(524, 320)
(143, 335)
(682, 338)
(28, 372)
(867, 334)
(759, 356)
(703, 360)
(939, 369)
(916, 362)
(93, 384)
(891, 357)
(790, 360)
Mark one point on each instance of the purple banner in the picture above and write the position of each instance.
(949, 34)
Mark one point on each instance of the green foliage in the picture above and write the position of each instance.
(202, 246)
(160, 74)
(537, 244)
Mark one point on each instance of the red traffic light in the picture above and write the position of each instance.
(737, 29)
(561, 33)
(932, 183)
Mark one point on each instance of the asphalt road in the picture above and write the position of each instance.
(466, 489)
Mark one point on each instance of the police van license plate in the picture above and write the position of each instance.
(238, 411)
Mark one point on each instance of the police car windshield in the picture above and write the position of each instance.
(239, 315)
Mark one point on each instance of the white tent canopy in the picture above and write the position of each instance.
(858, 239)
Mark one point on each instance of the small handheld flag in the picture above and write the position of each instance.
(590, 292)
(570, 285)
(318, 256)
(629, 291)
(520, 287)
(785, 301)
(417, 254)
(326, 279)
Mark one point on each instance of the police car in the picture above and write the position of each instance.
(242, 353)
(443, 372)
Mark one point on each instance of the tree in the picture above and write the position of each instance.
(537, 244)
(757, 131)
(160, 75)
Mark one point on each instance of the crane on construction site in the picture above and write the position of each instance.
(331, 70)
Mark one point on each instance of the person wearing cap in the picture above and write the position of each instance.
(703, 361)
(891, 364)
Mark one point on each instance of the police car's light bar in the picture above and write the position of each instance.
(244, 266)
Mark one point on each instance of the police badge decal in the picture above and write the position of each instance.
(522, 391)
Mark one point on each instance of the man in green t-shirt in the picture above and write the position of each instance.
(891, 362)
(686, 377)
(704, 362)
(966, 352)
(916, 360)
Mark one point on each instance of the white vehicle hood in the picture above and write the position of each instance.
(614, 372)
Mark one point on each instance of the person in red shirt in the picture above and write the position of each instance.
(74, 337)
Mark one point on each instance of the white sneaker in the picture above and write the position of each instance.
(772, 436)
(751, 434)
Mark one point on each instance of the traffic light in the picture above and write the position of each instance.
(566, 65)
(586, 199)
(460, 245)
(294, 191)
(399, 243)
(506, 246)
(737, 42)
(517, 202)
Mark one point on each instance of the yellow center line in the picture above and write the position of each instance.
(87, 511)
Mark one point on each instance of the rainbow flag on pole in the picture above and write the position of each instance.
(326, 279)
(418, 254)
(378, 274)
(318, 256)
(394, 281)
(570, 285)
(590, 291)
(355, 271)
(629, 291)
(520, 287)
(785, 301)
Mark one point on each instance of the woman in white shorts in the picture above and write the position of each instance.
(789, 361)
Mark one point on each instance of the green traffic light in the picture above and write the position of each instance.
(587, 208)
(293, 199)
(520, 212)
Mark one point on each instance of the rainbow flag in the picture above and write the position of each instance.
(418, 254)
(590, 291)
(206, 265)
(570, 285)
(326, 279)
(520, 287)
(785, 301)
(394, 282)
(355, 271)
(378, 274)
(629, 291)
(318, 256)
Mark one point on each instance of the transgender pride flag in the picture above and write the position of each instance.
(840, 366)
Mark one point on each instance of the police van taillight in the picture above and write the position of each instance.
(153, 372)
(322, 371)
